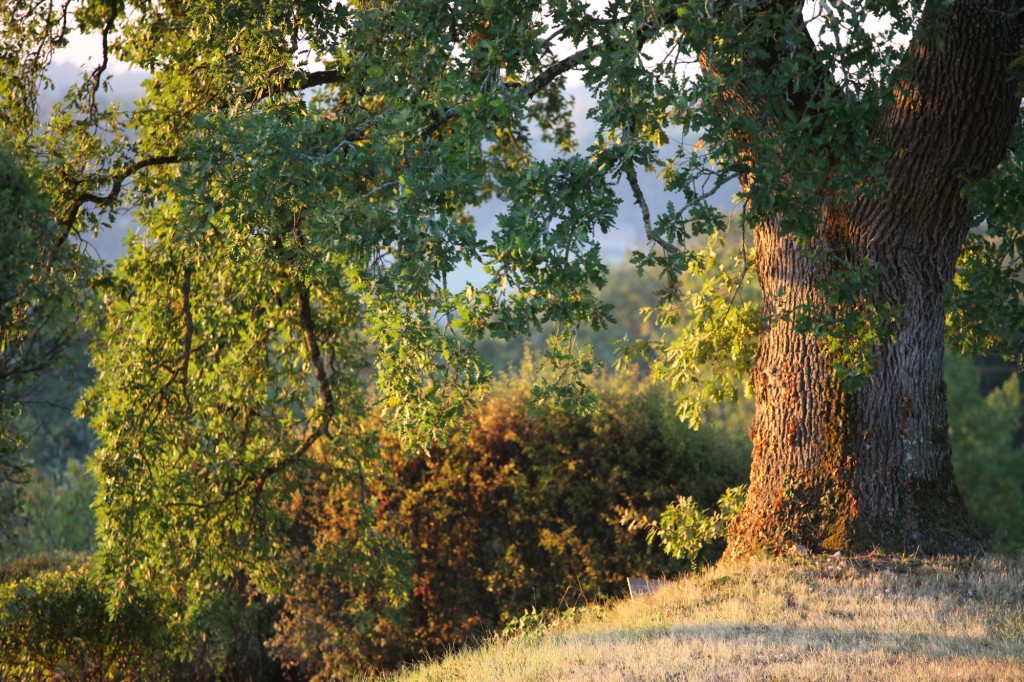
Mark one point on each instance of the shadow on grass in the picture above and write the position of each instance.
(806, 640)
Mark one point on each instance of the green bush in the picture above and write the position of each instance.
(685, 529)
(56, 625)
(57, 621)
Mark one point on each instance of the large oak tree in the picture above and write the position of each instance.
(868, 465)
(303, 172)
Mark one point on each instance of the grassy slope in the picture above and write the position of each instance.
(799, 618)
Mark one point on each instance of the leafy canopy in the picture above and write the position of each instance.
(302, 173)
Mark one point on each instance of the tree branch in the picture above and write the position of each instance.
(310, 335)
(641, 201)
(186, 303)
(552, 72)
(117, 182)
(97, 73)
(306, 80)
(545, 78)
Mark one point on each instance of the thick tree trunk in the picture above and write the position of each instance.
(871, 468)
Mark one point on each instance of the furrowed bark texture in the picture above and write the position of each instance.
(872, 468)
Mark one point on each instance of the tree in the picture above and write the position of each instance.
(300, 219)
(840, 461)
(40, 299)
(989, 461)
(44, 288)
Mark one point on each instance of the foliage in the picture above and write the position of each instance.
(56, 513)
(628, 294)
(709, 329)
(347, 582)
(214, 419)
(684, 529)
(56, 625)
(41, 288)
(302, 174)
(534, 622)
(522, 514)
(986, 306)
(988, 455)
(855, 325)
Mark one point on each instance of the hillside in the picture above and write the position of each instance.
(796, 618)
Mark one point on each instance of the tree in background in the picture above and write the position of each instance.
(631, 299)
(988, 456)
(303, 170)
(41, 293)
(56, 514)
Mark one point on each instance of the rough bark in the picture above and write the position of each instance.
(872, 468)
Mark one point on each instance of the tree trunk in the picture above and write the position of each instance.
(871, 468)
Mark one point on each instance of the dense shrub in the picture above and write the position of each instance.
(341, 600)
(402, 556)
(56, 625)
(525, 512)
(29, 565)
(57, 621)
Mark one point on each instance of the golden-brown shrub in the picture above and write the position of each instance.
(525, 512)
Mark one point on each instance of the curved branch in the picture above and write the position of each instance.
(541, 81)
(552, 72)
(117, 183)
(306, 80)
(309, 333)
(312, 79)
(97, 74)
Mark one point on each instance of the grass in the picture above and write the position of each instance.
(793, 618)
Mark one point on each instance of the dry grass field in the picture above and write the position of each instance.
(794, 618)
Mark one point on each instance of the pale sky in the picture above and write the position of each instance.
(85, 51)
